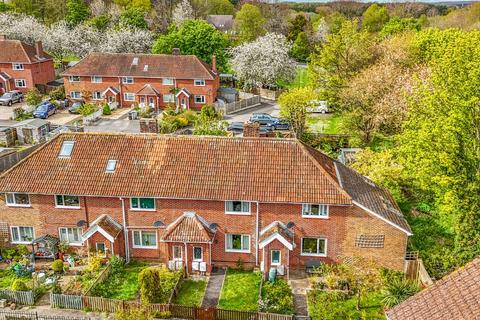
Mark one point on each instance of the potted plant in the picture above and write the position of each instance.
(62, 249)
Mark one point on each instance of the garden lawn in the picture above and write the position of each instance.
(330, 309)
(122, 286)
(240, 290)
(6, 278)
(324, 123)
(191, 292)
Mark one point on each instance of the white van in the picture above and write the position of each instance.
(318, 106)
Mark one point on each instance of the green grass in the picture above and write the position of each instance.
(300, 81)
(191, 292)
(240, 290)
(122, 286)
(324, 123)
(323, 308)
(6, 278)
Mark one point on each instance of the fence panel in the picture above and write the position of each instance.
(102, 304)
(242, 104)
(236, 315)
(21, 297)
(65, 301)
(274, 316)
(183, 312)
(22, 315)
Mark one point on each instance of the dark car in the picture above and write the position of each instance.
(75, 106)
(44, 110)
(267, 120)
(9, 98)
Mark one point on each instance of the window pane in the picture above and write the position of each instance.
(314, 209)
(275, 256)
(10, 198)
(63, 234)
(15, 236)
(136, 238)
(26, 234)
(71, 201)
(246, 243)
(59, 200)
(22, 198)
(246, 206)
(148, 239)
(134, 202)
(197, 253)
(237, 206)
(321, 246)
(309, 245)
(229, 206)
(236, 242)
(147, 203)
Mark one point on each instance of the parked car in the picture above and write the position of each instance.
(264, 119)
(318, 106)
(9, 98)
(281, 124)
(44, 110)
(75, 106)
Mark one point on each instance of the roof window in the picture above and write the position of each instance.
(135, 61)
(145, 68)
(111, 165)
(66, 150)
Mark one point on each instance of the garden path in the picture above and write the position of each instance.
(299, 290)
(214, 286)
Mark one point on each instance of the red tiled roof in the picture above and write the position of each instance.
(107, 223)
(189, 167)
(148, 90)
(456, 296)
(189, 228)
(158, 66)
(16, 51)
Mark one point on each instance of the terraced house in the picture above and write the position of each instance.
(201, 202)
(153, 80)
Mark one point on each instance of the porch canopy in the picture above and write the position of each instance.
(276, 231)
(106, 226)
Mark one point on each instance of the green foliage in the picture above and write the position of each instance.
(398, 291)
(100, 22)
(172, 120)
(33, 97)
(94, 262)
(57, 266)
(300, 50)
(162, 314)
(106, 110)
(58, 93)
(4, 7)
(133, 17)
(196, 37)
(293, 107)
(398, 25)
(29, 7)
(240, 290)
(143, 5)
(249, 23)
(7, 277)
(21, 114)
(277, 297)
(133, 314)
(19, 285)
(374, 18)
(209, 122)
(117, 264)
(15, 253)
(86, 109)
(191, 292)
(297, 26)
(77, 12)
(156, 284)
(220, 7)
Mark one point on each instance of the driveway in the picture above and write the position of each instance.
(63, 117)
(270, 107)
(118, 125)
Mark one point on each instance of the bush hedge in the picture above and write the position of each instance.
(157, 284)
(277, 297)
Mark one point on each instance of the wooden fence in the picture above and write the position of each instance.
(22, 315)
(101, 277)
(100, 304)
(236, 106)
(20, 297)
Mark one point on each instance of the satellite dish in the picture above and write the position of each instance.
(213, 226)
(290, 225)
(158, 224)
(81, 223)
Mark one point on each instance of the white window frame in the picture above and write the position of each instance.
(172, 100)
(199, 82)
(18, 66)
(128, 94)
(96, 79)
(14, 204)
(104, 246)
(75, 94)
(143, 246)
(143, 209)
(279, 258)
(94, 97)
(314, 254)
(180, 248)
(64, 145)
(73, 78)
(309, 205)
(20, 83)
(63, 206)
(201, 254)
(168, 81)
(111, 166)
(203, 98)
(18, 232)
(238, 250)
(127, 80)
(241, 213)
(79, 243)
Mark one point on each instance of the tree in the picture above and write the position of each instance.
(55, 10)
(374, 18)
(196, 37)
(142, 5)
(263, 62)
(398, 25)
(100, 22)
(183, 11)
(21, 27)
(297, 25)
(77, 12)
(300, 50)
(220, 7)
(126, 40)
(249, 23)
(293, 107)
(133, 17)
(35, 8)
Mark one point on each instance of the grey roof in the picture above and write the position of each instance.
(220, 21)
(37, 123)
(374, 198)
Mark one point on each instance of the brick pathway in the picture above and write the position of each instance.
(214, 286)
(299, 290)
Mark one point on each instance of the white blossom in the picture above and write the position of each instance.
(322, 31)
(264, 61)
(127, 40)
(183, 11)
(21, 27)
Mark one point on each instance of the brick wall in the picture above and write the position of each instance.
(33, 74)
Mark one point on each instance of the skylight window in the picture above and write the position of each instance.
(145, 68)
(111, 165)
(135, 61)
(66, 150)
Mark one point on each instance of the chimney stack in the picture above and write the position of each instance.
(3, 37)
(214, 63)
(176, 51)
(39, 49)
(251, 129)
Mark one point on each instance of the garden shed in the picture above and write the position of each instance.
(32, 131)
(8, 136)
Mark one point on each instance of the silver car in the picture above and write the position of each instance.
(11, 97)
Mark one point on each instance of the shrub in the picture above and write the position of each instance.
(117, 264)
(57, 266)
(58, 94)
(133, 314)
(86, 109)
(21, 114)
(15, 253)
(94, 262)
(397, 291)
(162, 314)
(277, 297)
(33, 97)
(19, 285)
(106, 110)
(181, 121)
(156, 284)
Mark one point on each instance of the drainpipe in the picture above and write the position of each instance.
(256, 235)
(186, 257)
(125, 231)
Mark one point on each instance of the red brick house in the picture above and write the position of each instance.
(156, 80)
(22, 66)
(201, 201)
